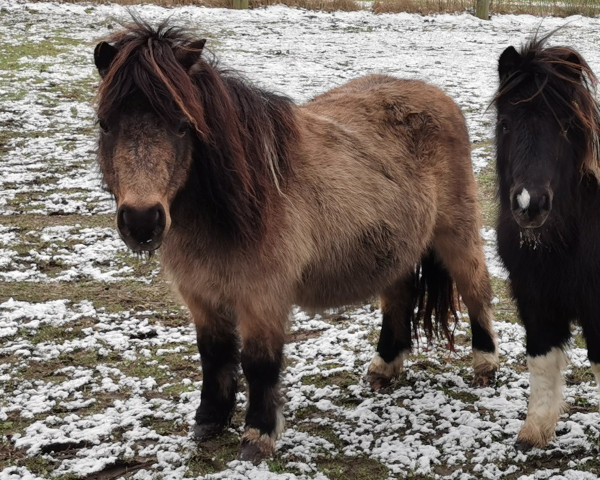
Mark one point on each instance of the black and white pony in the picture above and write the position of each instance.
(548, 168)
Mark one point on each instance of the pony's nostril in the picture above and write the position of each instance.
(122, 217)
(545, 203)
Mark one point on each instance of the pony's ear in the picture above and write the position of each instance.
(573, 66)
(104, 54)
(189, 55)
(508, 63)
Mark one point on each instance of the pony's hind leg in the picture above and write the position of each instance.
(465, 261)
(219, 354)
(397, 305)
(262, 337)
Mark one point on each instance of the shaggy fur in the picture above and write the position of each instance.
(547, 145)
(258, 204)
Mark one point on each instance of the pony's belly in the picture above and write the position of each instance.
(327, 289)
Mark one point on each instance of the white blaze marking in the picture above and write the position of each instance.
(523, 199)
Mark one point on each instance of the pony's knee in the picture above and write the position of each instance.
(380, 373)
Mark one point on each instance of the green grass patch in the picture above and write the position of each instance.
(213, 455)
(356, 468)
(11, 55)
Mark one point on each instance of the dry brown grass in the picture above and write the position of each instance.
(556, 8)
(588, 8)
(424, 7)
(322, 5)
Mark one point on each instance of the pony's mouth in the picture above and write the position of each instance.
(148, 247)
(527, 223)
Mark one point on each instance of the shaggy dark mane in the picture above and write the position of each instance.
(565, 83)
(243, 135)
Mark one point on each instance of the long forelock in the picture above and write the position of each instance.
(146, 65)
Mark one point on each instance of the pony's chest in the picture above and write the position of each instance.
(191, 267)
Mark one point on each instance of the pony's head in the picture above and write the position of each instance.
(547, 129)
(185, 140)
(148, 113)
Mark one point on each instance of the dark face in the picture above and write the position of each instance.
(144, 163)
(531, 148)
(535, 154)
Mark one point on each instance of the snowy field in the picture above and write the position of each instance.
(99, 374)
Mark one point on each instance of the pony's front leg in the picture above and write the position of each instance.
(545, 360)
(591, 333)
(262, 356)
(219, 354)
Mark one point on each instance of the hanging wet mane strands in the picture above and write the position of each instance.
(258, 204)
(548, 168)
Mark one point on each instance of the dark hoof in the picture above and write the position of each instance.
(250, 452)
(206, 431)
(523, 446)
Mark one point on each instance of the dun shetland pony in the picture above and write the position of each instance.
(258, 204)
(548, 168)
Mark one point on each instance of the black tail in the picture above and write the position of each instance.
(435, 300)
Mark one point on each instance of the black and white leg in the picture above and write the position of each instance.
(397, 304)
(546, 361)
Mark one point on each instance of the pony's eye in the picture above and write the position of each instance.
(182, 128)
(103, 125)
(504, 127)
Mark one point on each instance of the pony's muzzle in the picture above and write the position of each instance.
(530, 206)
(141, 228)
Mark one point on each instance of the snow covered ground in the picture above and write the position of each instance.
(104, 380)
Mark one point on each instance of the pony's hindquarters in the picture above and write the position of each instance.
(422, 153)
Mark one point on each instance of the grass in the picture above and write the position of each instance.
(356, 468)
(533, 7)
(425, 7)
